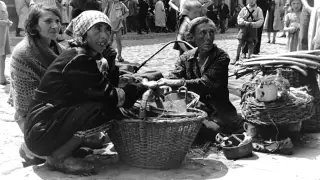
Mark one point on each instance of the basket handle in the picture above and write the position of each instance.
(144, 101)
(186, 92)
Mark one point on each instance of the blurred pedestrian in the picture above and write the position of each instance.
(5, 23)
(22, 9)
(272, 22)
(223, 10)
(117, 12)
(160, 16)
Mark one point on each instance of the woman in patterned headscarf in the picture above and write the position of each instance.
(74, 99)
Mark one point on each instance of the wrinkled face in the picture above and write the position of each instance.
(194, 13)
(252, 2)
(296, 5)
(98, 36)
(204, 36)
(49, 25)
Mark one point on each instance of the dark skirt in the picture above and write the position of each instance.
(49, 127)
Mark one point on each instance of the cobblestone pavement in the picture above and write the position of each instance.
(303, 165)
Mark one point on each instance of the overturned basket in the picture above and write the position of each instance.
(156, 142)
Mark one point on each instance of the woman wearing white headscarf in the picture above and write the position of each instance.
(74, 99)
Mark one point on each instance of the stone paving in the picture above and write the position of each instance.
(303, 164)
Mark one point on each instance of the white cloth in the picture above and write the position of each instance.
(160, 14)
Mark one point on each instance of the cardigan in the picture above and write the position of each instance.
(28, 64)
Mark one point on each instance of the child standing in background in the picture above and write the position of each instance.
(292, 25)
(117, 12)
(249, 20)
(190, 10)
(5, 23)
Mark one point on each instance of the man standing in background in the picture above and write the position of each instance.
(22, 9)
(223, 10)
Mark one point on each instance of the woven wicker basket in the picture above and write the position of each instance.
(313, 124)
(293, 107)
(294, 77)
(156, 142)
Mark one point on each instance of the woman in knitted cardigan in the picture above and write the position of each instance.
(30, 60)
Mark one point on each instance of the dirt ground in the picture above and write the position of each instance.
(303, 164)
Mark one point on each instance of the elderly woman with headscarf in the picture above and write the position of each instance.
(74, 99)
(204, 70)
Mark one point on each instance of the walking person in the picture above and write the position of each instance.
(191, 10)
(22, 9)
(223, 10)
(142, 17)
(117, 12)
(5, 23)
(304, 22)
(160, 16)
(132, 22)
(272, 23)
(249, 19)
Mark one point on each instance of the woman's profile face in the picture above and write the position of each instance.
(49, 25)
(204, 36)
(98, 37)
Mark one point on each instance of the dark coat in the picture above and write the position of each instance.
(211, 84)
(223, 12)
(73, 96)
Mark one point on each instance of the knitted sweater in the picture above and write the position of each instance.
(28, 64)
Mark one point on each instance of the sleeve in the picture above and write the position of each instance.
(286, 20)
(240, 18)
(213, 79)
(93, 85)
(180, 68)
(23, 83)
(260, 19)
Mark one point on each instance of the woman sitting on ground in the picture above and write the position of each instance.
(74, 99)
(29, 61)
(204, 70)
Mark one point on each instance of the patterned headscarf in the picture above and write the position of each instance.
(82, 23)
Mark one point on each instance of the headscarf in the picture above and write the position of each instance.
(82, 23)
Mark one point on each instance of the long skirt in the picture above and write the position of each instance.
(50, 126)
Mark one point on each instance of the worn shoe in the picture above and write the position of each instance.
(71, 166)
(28, 161)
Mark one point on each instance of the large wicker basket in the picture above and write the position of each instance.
(293, 107)
(156, 142)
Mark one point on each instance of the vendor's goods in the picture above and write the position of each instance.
(291, 106)
(160, 141)
(235, 146)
